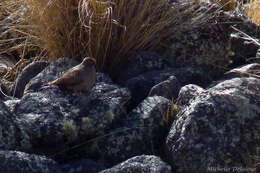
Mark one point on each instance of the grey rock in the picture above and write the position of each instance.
(10, 104)
(142, 84)
(8, 129)
(25, 76)
(52, 72)
(211, 47)
(140, 132)
(141, 164)
(83, 166)
(19, 162)
(139, 63)
(187, 93)
(220, 128)
(168, 88)
(245, 71)
(52, 118)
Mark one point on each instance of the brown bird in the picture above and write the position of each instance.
(80, 78)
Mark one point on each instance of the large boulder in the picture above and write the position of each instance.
(141, 85)
(141, 132)
(52, 118)
(220, 127)
(141, 164)
(9, 132)
(19, 162)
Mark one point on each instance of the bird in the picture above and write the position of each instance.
(80, 78)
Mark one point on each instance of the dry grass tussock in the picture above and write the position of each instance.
(106, 30)
(254, 11)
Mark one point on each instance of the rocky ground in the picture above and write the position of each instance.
(194, 108)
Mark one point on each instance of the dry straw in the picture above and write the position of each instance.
(106, 30)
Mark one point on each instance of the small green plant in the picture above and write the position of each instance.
(70, 130)
(172, 111)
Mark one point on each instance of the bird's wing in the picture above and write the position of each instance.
(71, 77)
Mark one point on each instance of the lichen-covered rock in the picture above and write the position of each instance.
(10, 104)
(26, 75)
(187, 93)
(209, 46)
(141, 85)
(51, 117)
(220, 128)
(139, 63)
(8, 128)
(244, 71)
(83, 166)
(141, 164)
(242, 48)
(168, 88)
(19, 162)
(141, 132)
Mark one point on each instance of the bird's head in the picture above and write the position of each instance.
(89, 61)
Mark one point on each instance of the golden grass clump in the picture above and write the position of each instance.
(227, 5)
(254, 11)
(56, 25)
(106, 30)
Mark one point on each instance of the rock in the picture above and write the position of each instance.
(249, 70)
(211, 48)
(9, 133)
(244, 71)
(242, 46)
(82, 166)
(220, 128)
(141, 132)
(6, 63)
(142, 84)
(5, 87)
(142, 164)
(139, 63)
(26, 75)
(52, 72)
(19, 162)
(168, 88)
(187, 93)
(52, 118)
(10, 104)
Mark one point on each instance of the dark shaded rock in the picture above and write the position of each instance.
(141, 85)
(19, 162)
(141, 132)
(187, 93)
(52, 118)
(8, 128)
(139, 63)
(83, 166)
(244, 71)
(168, 88)
(241, 45)
(5, 87)
(220, 128)
(54, 70)
(249, 70)
(26, 75)
(6, 63)
(141, 164)
(209, 46)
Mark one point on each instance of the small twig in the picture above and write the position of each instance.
(250, 38)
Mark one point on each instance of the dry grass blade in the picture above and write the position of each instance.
(254, 11)
(107, 30)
